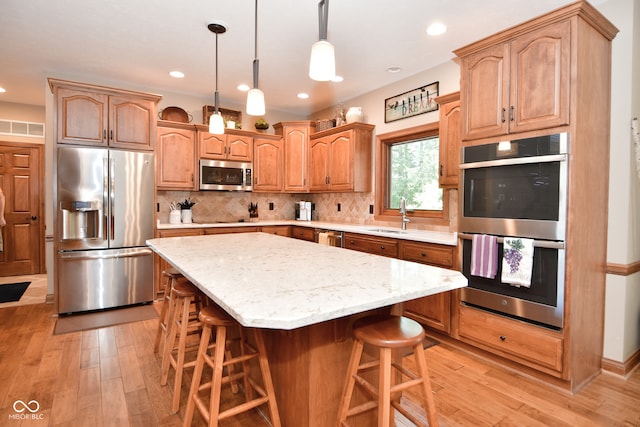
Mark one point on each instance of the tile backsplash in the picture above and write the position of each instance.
(223, 206)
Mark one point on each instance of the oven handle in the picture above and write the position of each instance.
(515, 161)
(549, 244)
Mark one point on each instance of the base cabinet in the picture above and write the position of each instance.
(530, 345)
(160, 263)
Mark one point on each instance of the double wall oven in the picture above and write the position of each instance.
(517, 188)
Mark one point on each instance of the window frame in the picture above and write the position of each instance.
(382, 213)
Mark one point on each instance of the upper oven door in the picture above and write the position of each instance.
(517, 190)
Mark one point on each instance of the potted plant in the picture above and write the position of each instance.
(185, 210)
(261, 125)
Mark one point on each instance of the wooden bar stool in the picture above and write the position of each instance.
(181, 324)
(213, 316)
(387, 333)
(170, 276)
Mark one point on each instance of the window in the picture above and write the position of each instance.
(408, 164)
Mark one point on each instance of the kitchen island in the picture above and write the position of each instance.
(304, 296)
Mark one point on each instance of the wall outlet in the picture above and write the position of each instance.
(371, 209)
(270, 206)
(339, 207)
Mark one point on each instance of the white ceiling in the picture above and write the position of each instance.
(135, 43)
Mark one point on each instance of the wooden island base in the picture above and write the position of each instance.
(309, 368)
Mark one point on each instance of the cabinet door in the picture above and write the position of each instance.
(449, 143)
(341, 161)
(176, 162)
(239, 148)
(484, 93)
(131, 123)
(160, 263)
(540, 84)
(82, 117)
(212, 146)
(295, 159)
(267, 166)
(319, 164)
(434, 310)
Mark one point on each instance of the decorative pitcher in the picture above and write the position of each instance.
(354, 115)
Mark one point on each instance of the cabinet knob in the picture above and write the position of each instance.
(423, 254)
(502, 338)
(382, 247)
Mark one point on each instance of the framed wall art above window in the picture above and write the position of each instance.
(417, 101)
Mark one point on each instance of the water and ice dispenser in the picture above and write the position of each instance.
(81, 219)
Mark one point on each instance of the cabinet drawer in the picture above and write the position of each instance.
(372, 245)
(303, 233)
(228, 230)
(425, 253)
(526, 343)
(279, 230)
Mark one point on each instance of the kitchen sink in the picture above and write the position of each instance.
(386, 230)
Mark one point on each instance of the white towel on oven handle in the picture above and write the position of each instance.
(517, 261)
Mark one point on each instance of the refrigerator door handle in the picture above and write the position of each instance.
(106, 208)
(112, 180)
(88, 255)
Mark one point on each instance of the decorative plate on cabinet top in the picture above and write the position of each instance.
(175, 114)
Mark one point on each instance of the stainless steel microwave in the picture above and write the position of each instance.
(225, 175)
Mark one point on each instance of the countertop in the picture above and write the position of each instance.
(442, 238)
(275, 282)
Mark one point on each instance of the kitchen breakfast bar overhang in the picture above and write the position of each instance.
(304, 297)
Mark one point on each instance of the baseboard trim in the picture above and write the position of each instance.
(622, 368)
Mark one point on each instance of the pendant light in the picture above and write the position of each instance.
(216, 123)
(322, 66)
(255, 97)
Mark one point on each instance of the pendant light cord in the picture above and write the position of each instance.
(255, 55)
(323, 17)
(216, 93)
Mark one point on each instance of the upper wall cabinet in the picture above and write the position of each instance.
(96, 115)
(267, 163)
(520, 84)
(176, 163)
(340, 159)
(295, 138)
(230, 146)
(449, 139)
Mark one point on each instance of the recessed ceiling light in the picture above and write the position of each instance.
(337, 79)
(436, 29)
(394, 69)
(303, 95)
(243, 87)
(176, 74)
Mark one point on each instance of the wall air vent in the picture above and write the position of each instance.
(17, 128)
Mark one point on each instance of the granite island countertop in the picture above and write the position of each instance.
(275, 282)
(437, 237)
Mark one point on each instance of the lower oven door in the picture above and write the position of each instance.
(541, 303)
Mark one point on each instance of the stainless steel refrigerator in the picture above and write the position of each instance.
(104, 201)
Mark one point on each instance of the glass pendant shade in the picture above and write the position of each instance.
(216, 124)
(255, 102)
(322, 66)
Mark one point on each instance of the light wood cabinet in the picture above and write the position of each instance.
(267, 164)
(532, 346)
(371, 244)
(548, 75)
(160, 263)
(278, 230)
(232, 145)
(340, 159)
(519, 85)
(450, 128)
(295, 138)
(176, 162)
(103, 116)
(303, 233)
(435, 310)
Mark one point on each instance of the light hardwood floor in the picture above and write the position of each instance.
(111, 377)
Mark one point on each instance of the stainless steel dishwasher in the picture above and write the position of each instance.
(329, 237)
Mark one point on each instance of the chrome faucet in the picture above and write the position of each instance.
(403, 212)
